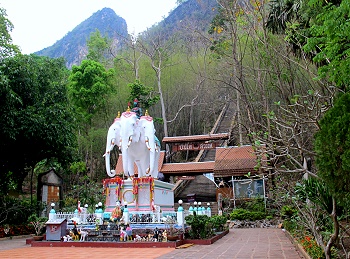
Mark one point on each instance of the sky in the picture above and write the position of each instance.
(40, 23)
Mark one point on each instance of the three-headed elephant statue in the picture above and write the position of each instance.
(138, 145)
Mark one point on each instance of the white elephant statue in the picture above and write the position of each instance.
(135, 137)
(153, 145)
(130, 146)
(113, 138)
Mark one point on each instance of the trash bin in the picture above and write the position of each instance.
(55, 229)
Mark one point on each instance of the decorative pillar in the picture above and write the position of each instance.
(126, 213)
(85, 213)
(180, 215)
(190, 210)
(199, 208)
(52, 214)
(99, 213)
(208, 210)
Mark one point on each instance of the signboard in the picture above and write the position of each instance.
(186, 178)
(194, 146)
(248, 188)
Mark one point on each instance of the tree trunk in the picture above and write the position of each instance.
(334, 236)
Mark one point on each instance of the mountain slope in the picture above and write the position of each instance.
(73, 46)
(190, 16)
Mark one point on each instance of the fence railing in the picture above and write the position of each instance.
(154, 217)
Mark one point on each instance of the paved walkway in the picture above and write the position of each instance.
(239, 243)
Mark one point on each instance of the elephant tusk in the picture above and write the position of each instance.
(147, 144)
(130, 140)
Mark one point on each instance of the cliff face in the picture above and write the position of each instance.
(73, 46)
(189, 17)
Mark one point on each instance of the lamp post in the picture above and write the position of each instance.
(195, 208)
(190, 210)
(180, 215)
(85, 212)
(200, 208)
(99, 212)
(208, 210)
(126, 213)
(180, 206)
(52, 214)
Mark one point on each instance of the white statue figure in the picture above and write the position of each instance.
(135, 137)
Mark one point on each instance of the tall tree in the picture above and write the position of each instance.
(7, 49)
(332, 145)
(329, 41)
(36, 121)
(89, 86)
(158, 48)
(100, 49)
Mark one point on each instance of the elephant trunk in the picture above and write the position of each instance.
(108, 165)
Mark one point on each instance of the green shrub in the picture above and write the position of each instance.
(288, 211)
(200, 226)
(218, 222)
(257, 204)
(243, 214)
(15, 211)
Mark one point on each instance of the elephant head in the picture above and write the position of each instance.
(113, 138)
(129, 135)
(152, 143)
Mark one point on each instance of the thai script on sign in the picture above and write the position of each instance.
(194, 146)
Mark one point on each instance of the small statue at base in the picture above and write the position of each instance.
(129, 231)
(165, 236)
(123, 235)
(117, 213)
(156, 234)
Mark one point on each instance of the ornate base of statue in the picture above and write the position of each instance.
(141, 195)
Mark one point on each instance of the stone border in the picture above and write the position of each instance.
(16, 237)
(206, 241)
(297, 245)
(130, 244)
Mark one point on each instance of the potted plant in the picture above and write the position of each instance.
(38, 223)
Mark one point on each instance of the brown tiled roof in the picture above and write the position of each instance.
(119, 166)
(235, 161)
(192, 168)
(179, 139)
(228, 161)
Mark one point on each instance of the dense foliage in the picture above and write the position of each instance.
(280, 65)
(7, 48)
(202, 226)
(332, 144)
(36, 121)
